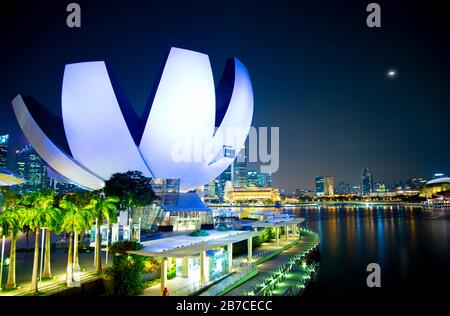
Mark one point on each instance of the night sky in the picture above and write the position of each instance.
(318, 72)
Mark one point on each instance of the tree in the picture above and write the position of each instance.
(132, 188)
(37, 209)
(52, 223)
(11, 224)
(75, 219)
(102, 207)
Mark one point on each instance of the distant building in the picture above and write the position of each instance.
(343, 188)
(240, 169)
(320, 188)
(324, 185)
(252, 194)
(222, 180)
(62, 187)
(210, 190)
(304, 193)
(264, 179)
(253, 178)
(366, 182)
(438, 186)
(32, 169)
(380, 187)
(162, 186)
(259, 179)
(3, 150)
(439, 175)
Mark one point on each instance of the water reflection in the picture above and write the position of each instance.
(412, 247)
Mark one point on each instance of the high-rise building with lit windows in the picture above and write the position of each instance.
(3, 150)
(32, 169)
(324, 185)
(366, 182)
(240, 169)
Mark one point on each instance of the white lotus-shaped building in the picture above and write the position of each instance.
(190, 129)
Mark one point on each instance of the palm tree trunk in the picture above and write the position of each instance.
(99, 249)
(11, 283)
(47, 259)
(34, 282)
(69, 276)
(76, 265)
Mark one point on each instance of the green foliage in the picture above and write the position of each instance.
(127, 270)
(172, 273)
(132, 188)
(75, 218)
(223, 228)
(9, 222)
(199, 233)
(102, 207)
(241, 247)
(121, 247)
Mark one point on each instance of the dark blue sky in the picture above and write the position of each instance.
(318, 72)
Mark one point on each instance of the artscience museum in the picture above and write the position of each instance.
(190, 129)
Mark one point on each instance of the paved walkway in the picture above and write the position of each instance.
(24, 267)
(269, 266)
(177, 285)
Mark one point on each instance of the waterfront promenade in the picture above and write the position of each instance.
(267, 267)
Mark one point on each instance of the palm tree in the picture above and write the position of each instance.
(52, 223)
(38, 207)
(102, 208)
(11, 224)
(75, 219)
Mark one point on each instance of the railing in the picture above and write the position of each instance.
(197, 286)
(219, 288)
(271, 282)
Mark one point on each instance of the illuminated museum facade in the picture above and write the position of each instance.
(99, 132)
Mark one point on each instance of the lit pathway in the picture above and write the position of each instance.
(24, 266)
(178, 284)
(267, 267)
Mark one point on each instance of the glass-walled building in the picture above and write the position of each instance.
(3, 150)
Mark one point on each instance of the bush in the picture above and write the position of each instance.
(199, 233)
(126, 271)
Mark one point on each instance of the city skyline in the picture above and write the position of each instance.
(319, 73)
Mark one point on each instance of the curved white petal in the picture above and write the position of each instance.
(234, 127)
(49, 152)
(181, 119)
(96, 130)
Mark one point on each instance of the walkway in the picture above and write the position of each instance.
(24, 266)
(267, 267)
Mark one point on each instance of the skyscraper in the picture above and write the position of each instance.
(32, 169)
(343, 188)
(3, 150)
(265, 179)
(324, 185)
(259, 179)
(252, 178)
(240, 169)
(319, 186)
(366, 182)
(225, 177)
